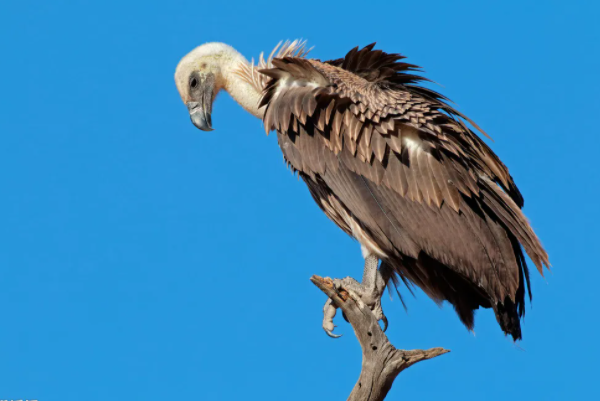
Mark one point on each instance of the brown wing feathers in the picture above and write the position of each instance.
(401, 161)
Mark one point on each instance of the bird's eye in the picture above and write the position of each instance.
(194, 82)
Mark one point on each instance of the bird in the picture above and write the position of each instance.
(393, 164)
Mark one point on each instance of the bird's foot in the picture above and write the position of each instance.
(362, 294)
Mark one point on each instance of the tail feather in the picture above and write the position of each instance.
(508, 318)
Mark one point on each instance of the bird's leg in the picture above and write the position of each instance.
(368, 292)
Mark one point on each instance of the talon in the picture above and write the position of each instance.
(385, 323)
(365, 294)
(331, 334)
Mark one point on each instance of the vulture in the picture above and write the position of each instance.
(393, 164)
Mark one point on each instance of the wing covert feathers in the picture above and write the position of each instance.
(398, 161)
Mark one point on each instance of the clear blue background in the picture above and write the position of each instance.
(143, 259)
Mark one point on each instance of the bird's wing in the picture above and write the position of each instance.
(424, 173)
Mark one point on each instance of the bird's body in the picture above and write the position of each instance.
(395, 166)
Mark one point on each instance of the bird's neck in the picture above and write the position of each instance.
(241, 91)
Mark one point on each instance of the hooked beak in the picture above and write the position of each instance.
(200, 104)
(200, 115)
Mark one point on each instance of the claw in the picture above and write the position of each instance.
(331, 334)
(385, 323)
(362, 294)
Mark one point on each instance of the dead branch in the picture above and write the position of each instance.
(381, 361)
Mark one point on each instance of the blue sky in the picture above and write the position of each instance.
(144, 259)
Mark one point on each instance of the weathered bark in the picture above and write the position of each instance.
(381, 361)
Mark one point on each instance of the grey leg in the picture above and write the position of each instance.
(329, 311)
(369, 280)
(368, 292)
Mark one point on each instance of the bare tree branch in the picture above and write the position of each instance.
(381, 361)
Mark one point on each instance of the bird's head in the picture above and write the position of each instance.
(200, 75)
